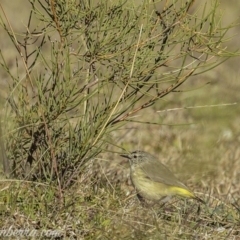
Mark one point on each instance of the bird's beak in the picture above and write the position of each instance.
(124, 155)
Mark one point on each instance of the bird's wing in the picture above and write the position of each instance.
(157, 172)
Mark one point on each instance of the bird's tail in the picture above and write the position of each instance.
(185, 193)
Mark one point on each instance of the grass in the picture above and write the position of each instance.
(109, 215)
(103, 205)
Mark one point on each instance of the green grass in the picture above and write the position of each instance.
(109, 214)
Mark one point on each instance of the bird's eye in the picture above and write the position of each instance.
(135, 156)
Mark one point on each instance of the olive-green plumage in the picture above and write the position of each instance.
(153, 180)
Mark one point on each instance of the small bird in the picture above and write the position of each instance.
(153, 180)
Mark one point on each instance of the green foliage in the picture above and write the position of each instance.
(88, 67)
